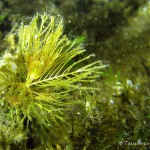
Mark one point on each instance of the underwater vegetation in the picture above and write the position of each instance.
(41, 80)
(51, 94)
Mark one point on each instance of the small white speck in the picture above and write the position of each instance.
(111, 101)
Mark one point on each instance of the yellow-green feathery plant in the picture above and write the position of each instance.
(39, 72)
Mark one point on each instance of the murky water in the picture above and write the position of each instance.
(116, 32)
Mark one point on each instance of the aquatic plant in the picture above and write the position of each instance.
(40, 73)
(2, 17)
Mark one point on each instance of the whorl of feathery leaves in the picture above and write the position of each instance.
(38, 70)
